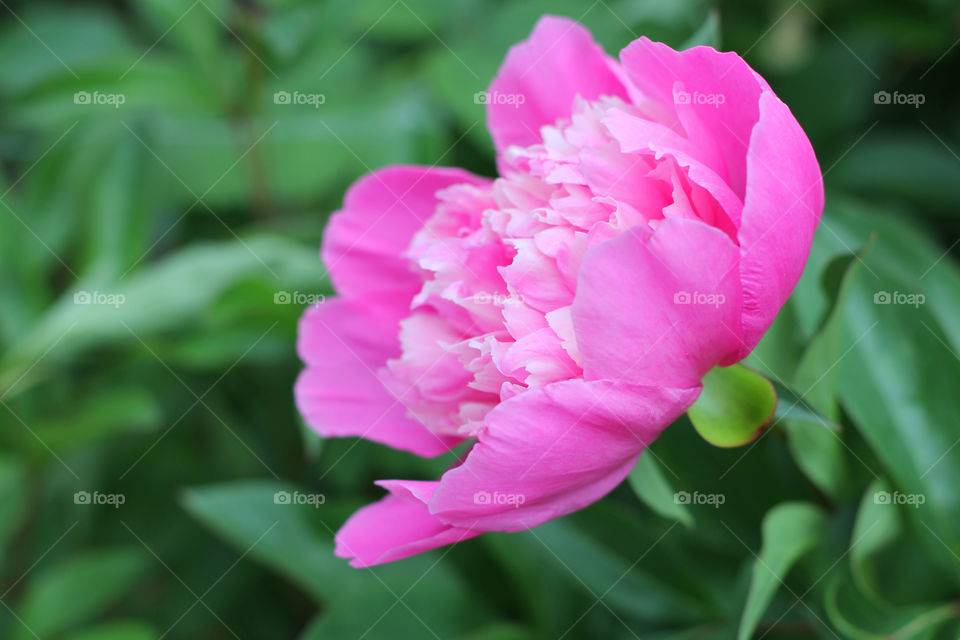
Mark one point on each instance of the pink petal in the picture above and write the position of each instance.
(783, 206)
(643, 311)
(364, 241)
(398, 526)
(343, 344)
(553, 450)
(638, 135)
(559, 61)
(720, 132)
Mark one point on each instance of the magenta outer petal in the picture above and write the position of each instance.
(554, 450)
(343, 343)
(754, 142)
(559, 61)
(637, 314)
(783, 207)
(364, 241)
(398, 526)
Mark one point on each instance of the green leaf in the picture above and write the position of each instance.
(924, 170)
(821, 453)
(652, 487)
(373, 613)
(279, 535)
(118, 630)
(877, 525)
(112, 410)
(589, 566)
(13, 500)
(854, 602)
(791, 406)
(790, 530)
(295, 540)
(193, 29)
(860, 617)
(901, 397)
(82, 37)
(78, 589)
(117, 230)
(708, 34)
(161, 297)
(899, 379)
(504, 631)
(735, 405)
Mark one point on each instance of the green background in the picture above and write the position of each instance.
(199, 199)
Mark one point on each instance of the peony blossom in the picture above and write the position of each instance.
(650, 218)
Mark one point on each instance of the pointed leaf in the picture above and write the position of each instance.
(790, 530)
(78, 589)
(652, 487)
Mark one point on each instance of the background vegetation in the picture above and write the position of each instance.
(199, 199)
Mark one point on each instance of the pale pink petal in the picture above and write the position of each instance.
(625, 178)
(561, 321)
(538, 359)
(398, 526)
(558, 62)
(521, 319)
(465, 271)
(343, 344)
(364, 241)
(553, 450)
(431, 379)
(783, 207)
(661, 307)
(536, 278)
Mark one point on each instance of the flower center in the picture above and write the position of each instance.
(500, 263)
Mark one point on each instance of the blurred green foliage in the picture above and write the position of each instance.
(159, 198)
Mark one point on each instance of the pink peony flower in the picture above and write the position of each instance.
(650, 218)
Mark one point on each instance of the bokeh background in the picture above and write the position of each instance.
(161, 212)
